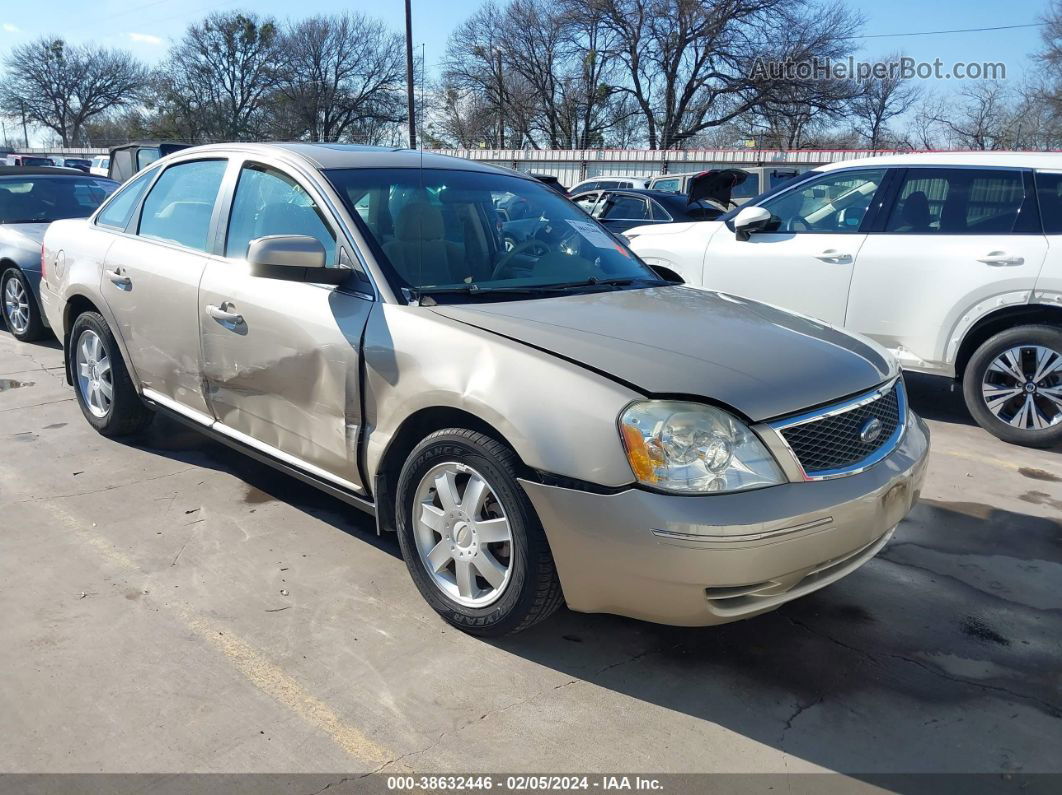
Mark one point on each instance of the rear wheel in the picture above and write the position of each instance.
(1013, 385)
(470, 537)
(21, 312)
(104, 390)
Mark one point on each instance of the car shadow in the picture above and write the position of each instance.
(916, 662)
(935, 397)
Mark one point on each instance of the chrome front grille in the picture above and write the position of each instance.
(847, 437)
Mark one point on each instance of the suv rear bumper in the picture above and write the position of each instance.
(693, 561)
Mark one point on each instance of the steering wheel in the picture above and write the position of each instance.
(797, 225)
(534, 246)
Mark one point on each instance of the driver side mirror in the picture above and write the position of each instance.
(292, 258)
(749, 220)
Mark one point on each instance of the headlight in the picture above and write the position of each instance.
(694, 448)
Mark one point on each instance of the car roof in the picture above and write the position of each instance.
(55, 171)
(327, 156)
(1041, 160)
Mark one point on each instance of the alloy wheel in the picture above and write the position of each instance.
(94, 376)
(16, 305)
(462, 534)
(1023, 387)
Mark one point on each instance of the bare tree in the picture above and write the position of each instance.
(62, 87)
(218, 77)
(342, 71)
(691, 64)
(880, 100)
(983, 119)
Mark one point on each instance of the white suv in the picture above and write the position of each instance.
(951, 260)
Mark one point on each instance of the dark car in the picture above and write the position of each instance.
(30, 199)
(28, 161)
(81, 164)
(128, 159)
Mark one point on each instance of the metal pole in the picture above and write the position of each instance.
(501, 100)
(25, 134)
(411, 108)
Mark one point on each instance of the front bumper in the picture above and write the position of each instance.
(695, 561)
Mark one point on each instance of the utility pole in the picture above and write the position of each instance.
(411, 105)
(25, 133)
(501, 101)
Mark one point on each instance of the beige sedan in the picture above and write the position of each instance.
(545, 422)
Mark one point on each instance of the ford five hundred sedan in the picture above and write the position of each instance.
(553, 422)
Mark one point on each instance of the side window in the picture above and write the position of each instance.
(268, 202)
(957, 202)
(180, 204)
(671, 184)
(145, 157)
(659, 213)
(832, 204)
(1049, 192)
(586, 202)
(117, 213)
(628, 208)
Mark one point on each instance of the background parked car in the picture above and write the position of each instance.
(25, 161)
(951, 260)
(128, 159)
(608, 183)
(620, 210)
(30, 199)
(759, 179)
(100, 165)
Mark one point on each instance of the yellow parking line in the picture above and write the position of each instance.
(245, 658)
(985, 459)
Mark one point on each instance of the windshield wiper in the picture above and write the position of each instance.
(417, 294)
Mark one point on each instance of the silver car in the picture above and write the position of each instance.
(551, 423)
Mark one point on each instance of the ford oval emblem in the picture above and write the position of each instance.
(870, 431)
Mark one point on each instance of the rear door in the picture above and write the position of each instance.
(955, 243)
(281, 359)
(151, 280)
(804, 259)
(622, 211)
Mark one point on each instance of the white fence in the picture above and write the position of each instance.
(572, 165)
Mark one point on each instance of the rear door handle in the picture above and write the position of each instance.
(223, 315)
(118, 278)
(835, 256)
(1000, 259)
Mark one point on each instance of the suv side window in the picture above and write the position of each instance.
(835, 203)
(118, 211)
(180, 205)
(269, 202)
(672, 184)
(957, 201)
(1049, 193)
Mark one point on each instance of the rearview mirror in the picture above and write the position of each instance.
(293, 258)
(749, 220)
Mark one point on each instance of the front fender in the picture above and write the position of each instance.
(557, 416)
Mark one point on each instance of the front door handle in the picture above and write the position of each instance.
(1000, 259)
(223, 315)
(118, 278)
(835, 256)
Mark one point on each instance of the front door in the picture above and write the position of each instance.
(281, 359)
(804, 258)
(151, 281)
(955, 239)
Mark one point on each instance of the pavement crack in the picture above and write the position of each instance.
(800, 710)
(343, 780)
(103, 489)
(36, 405)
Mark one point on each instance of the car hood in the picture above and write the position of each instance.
(679, 341)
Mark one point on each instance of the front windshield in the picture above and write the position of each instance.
(450, 231)
(44, 198)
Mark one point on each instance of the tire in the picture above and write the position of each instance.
(530, 590)
(21, 312)
(991, 376)
(123, 413)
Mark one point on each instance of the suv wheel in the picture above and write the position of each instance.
(104, 390)
(20, 307)
(470, 537)
(1013, 385)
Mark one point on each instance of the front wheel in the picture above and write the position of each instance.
(470, 537)
(1013, 385)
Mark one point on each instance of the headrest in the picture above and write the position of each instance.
(915, 210)
(419, 221)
